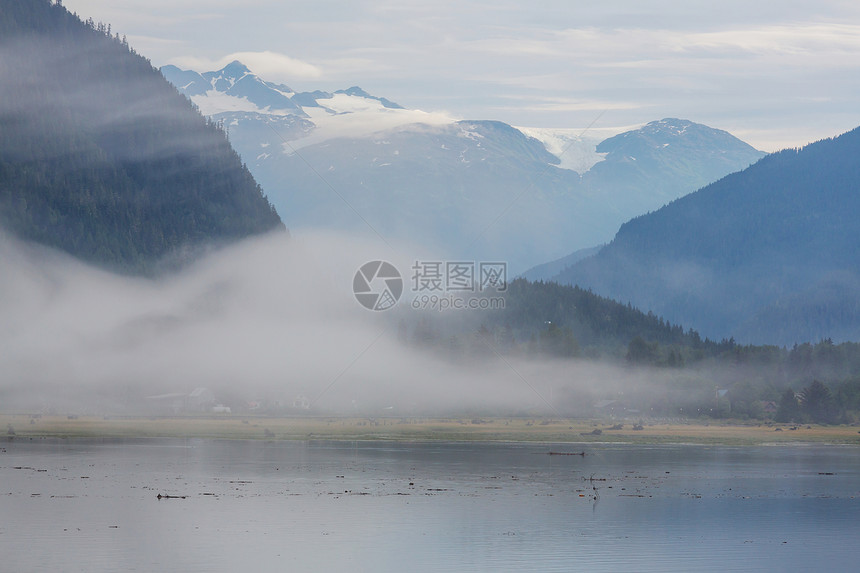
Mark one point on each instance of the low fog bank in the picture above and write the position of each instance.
(270, 325)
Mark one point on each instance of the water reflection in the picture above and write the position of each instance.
(274, 506)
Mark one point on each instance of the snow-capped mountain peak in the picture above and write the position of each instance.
(225, 78)
(236, 94)
(357, 91)
(566, 188)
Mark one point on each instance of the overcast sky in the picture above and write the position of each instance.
(776, 74)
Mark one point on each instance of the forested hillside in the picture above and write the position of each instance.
(561, 324)
(767, 255)
(103, 158)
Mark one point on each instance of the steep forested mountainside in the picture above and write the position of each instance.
(768, 255)
(103, 158)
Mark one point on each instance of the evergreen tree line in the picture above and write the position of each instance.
(102, 157)
(547, 321)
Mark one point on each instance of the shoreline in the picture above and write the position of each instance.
(454, 429)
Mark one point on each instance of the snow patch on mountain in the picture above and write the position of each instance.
(353, 112)
(469, 131)
(214, 102)
(576, 148)
(356, 119)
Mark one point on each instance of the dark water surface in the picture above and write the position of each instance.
(85, 505)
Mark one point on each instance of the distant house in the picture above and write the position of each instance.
(768, 406)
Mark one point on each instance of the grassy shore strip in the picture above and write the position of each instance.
(420, 429)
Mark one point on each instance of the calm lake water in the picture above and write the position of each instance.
(85, 505)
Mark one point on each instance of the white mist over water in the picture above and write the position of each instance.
(272, 318)
(267, 318)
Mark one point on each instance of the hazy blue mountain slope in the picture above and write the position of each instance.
(648, 167)
(768, 254)
(471, 189)
(475, 189)
(548, 271)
